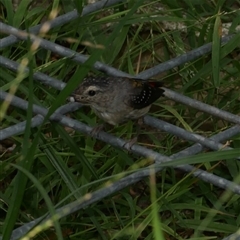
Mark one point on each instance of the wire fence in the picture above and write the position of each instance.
(201, 143)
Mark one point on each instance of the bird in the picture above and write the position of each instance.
(118, 99)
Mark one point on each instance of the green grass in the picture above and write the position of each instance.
(52, 167)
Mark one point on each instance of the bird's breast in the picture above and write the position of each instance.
(116, 117)
(109, 117)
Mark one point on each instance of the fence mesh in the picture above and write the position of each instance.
(200, 141)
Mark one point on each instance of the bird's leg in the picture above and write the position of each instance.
(132, 141)
(95, 131)
(139, 125)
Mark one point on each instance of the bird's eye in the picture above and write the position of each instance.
(91, 93)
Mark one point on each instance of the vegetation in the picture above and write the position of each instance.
(52, 165)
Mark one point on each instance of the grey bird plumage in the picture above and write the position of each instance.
(118, 99)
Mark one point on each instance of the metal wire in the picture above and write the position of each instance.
(213, 143)
(63, 19)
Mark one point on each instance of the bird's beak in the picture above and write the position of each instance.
(71, 98)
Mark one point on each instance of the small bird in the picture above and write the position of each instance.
(118, 99)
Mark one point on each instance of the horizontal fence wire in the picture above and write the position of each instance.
(200, 142)
(235, 236)
(117, 142)
(63, 19)
(75, 56)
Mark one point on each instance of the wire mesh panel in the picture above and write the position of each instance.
(40, 117)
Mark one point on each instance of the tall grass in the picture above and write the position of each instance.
(51, 166)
